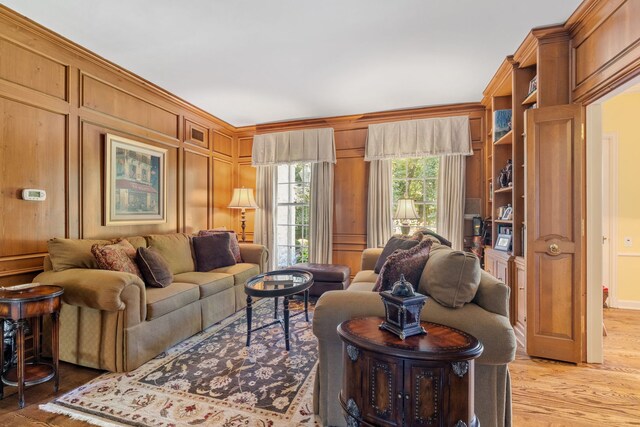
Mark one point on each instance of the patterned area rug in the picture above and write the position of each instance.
(211, 379)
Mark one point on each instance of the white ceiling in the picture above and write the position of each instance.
(257, 61)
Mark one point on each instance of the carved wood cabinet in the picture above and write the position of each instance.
(424, 380)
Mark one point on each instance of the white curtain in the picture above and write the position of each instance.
(298, 146)
(447, 137)
(451, 192)
(264, 233)
(321, 213)
(419, 138)
(379, 204)
(315, 146)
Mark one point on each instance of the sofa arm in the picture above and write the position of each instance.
(369, 258)
(99, 289)
(492, 295)
(255, 254)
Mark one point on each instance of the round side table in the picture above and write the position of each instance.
(19, 303)
(423, 380)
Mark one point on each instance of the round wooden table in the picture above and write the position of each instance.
(276, 284)
(423, 380)
(19, 303)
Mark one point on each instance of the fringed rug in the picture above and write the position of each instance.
(210, 379)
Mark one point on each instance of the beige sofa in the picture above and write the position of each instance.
(486, 317)
(110, 320)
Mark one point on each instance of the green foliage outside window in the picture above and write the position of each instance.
(418, 178)
(292, 216)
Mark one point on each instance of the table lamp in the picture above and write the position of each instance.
(242, 199)
(405, 212)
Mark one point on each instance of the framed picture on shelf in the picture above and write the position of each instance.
(533, 85)
(135, 182)
(503, 242)
(507, 215)
(501, 123)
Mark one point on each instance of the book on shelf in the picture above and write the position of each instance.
(533, 85)
(502, 123)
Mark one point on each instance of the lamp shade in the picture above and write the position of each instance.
(242, 199)
(406, 209)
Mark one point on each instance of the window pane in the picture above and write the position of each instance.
(432, 166)
(431, 216)
(431, 190)
(416, 190)
(399, 188)
(399, 169)
(292, 214)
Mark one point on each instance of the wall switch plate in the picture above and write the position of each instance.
(628, 242)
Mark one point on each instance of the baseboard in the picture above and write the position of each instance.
(628, 304)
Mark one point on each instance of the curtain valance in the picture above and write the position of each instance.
(298, 146)
(418, 138)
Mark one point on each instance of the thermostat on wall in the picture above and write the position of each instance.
(34, 194)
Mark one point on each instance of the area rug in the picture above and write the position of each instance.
(211, 379)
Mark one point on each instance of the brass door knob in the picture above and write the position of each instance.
(554, 249)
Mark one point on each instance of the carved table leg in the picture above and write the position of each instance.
(306, 305)
(275, 308)
(55, 348)
(35, 330)
(1, 357)
(20, 341)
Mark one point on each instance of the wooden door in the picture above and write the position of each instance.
(555, 233)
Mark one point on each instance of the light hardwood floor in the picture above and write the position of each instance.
(545, 393)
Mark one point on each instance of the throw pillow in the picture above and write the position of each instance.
(126, 246)
(212, 251)
(408, 262)
(73, 253)
(234, 245)
(115, 258)
(393, 244)
(433, 235)
(154, 268)
(451, 277)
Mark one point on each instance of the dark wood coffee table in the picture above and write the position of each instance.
(19, 303)
(276, 284)
(423, 380)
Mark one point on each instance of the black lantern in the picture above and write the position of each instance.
(402, 307)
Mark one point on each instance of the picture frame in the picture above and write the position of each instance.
(135, 182)
(503, 242)
(507, 214)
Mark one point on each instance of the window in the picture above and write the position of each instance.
(292, 217)
(418, 178)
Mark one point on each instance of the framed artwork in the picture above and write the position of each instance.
(503, 242)
(135, 182)
(507, 214)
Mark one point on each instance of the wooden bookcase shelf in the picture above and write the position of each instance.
(504, 190)
(505, 139)
(531, 99)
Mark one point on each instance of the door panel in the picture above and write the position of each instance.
(554, 218)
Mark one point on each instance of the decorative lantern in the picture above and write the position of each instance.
(402, 307)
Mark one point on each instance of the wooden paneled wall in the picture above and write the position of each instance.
(352, 172)
(605, 47)
(57, 102)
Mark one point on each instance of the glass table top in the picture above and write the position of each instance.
(279, 283)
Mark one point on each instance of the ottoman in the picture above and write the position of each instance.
(326, 277)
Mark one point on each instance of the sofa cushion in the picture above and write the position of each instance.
(430, 234)
(175, 249)
(393, 244)
(209, 283)
(361, 286)
(116, 257)
(241, 272)
(73, 253)
(408, 262)
(161, 301)
(450, 277)
(212, 251)
(154, 268)
(366, 276)
(137, 241)
(234, 245)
